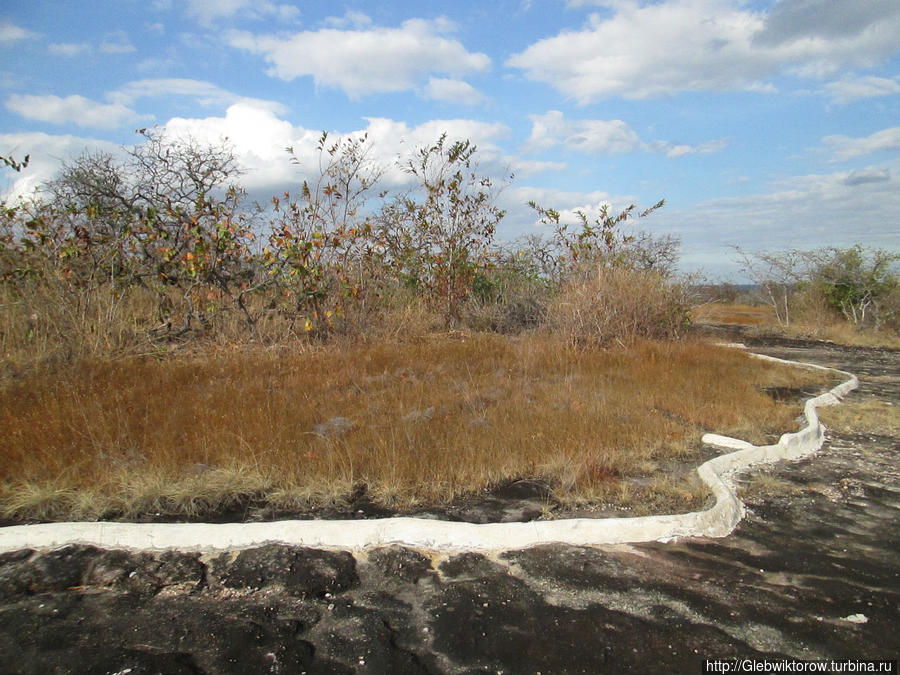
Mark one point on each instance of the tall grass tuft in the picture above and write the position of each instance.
(618, 304)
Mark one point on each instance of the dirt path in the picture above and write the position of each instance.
(812, 572)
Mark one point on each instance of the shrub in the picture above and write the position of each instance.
(511, 294)
(618, 304)
(857, 283)
(439, 237)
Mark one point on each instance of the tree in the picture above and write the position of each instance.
(854, 281)
(777, 274)
(438, 237)
(166, 216)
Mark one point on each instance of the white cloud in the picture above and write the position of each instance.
(652, 49)
(365, 61)
(69, 49)
(116, 42)
(838, 209)
(845, 147)
(47, 153)
(523, 220)
(74, 109)
(392, 140)
(452, 91)
(259, 138)
(206, 12)
(602, 137)
(682, 149)
(206, 93)
(155, 66)
(597, 137)
(10, 33)
(848, 90)
(527, 167)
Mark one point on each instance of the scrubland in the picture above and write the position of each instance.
(166, 350)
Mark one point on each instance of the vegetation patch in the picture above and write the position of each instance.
(407, 423)
(168, 348)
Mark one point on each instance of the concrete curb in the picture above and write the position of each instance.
(717, 521)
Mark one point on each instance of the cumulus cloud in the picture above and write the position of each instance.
(845, 147)
(848, 90)
(602, 137)
(47, 153)
(452, 91)
(10, 33)
(259, 138)
(365, 61)
(608, 137)
(642, 50)
(74, 109)
(527, 167)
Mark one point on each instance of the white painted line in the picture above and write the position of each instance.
(717, 521)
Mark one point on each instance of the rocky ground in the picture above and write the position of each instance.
(812, 572)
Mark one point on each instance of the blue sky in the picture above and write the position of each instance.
(765, 124)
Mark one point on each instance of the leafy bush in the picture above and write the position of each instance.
(859, 284)
(438, 239)
(856, 282)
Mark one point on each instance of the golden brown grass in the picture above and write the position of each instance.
(808, 322)
(734, 315)
(416, 422)
(863, 415)
(611, 305)
(844, 333)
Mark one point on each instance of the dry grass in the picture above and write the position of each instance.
(734, 315)
(844, 333)
(813, 323)
(866, 415)
(416, 422)
(617, 305)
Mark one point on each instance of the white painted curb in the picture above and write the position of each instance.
(717, 521)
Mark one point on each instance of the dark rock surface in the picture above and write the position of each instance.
(812, 572)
